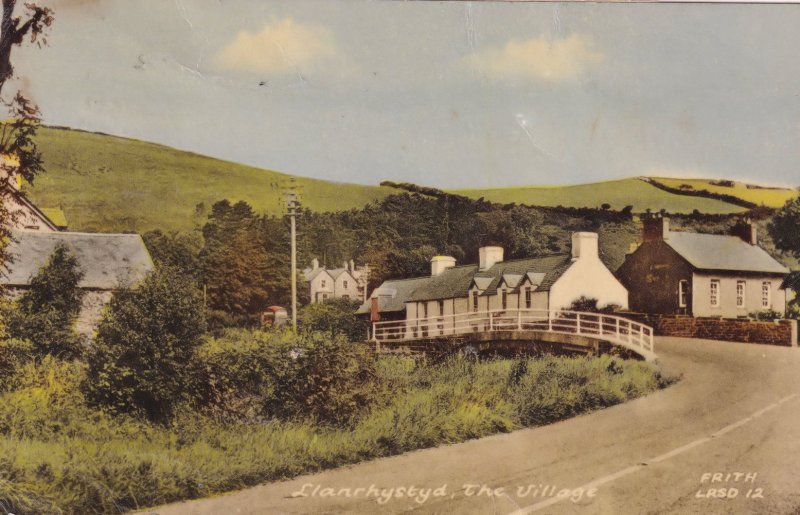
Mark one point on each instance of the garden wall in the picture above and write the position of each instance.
(771, 332)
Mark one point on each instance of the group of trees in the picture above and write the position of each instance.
(241, 258)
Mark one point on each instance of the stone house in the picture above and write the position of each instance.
(108, 261)
(540, 283)
(702, 275)
(347, 282)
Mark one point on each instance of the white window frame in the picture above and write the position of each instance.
(714, 290)
(741, 294)
(683, 293)
(766, 295)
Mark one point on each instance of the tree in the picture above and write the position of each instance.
(336, 317)
(13, 32)
(785, 227)
(18, 152)
(141, 360)
(46, 313)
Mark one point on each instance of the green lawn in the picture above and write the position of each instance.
(617, 193)
(107, 183)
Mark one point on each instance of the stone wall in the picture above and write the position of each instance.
(771, 332)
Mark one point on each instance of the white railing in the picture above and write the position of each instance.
(618, 330)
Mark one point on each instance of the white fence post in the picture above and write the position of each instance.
(519, 320)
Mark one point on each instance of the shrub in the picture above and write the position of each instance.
(337, 317)
(13, 355)
(144, 347)
(46, 312)
(263, 375)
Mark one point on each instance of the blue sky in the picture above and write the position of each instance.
(452, 94)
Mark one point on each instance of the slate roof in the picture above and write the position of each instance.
(310, 274)
(108, 261)
(398, 292)
(456, 282)
(728, 253)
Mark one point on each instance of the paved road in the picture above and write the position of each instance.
(735, 411)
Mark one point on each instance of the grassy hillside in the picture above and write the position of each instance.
(107, 183)
(769, 197)
(618, 194)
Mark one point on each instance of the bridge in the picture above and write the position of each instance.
(568, 330)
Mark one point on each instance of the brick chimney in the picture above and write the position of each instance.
(441, 263)
(746, 230)
(488, 256)
(655, 228)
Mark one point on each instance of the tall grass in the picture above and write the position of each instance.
(58, 456)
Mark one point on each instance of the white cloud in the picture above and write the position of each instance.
(539, 58)
(281, 48)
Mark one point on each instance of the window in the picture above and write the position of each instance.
(475, 301)
(683, 293)
(441, 308)
(345, 284)
(528, 299)
(424, 310)
(714, 298)
(505, 299)
(740, 292)
(346, 297)
(766, 295)
(322, 283)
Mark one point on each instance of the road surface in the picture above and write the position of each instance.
(725, 439)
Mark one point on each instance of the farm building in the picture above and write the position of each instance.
(703, 275)
(540, 283)
(108, 262)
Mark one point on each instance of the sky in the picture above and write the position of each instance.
(446, 94)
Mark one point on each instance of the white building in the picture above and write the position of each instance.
(541, 283)
(347, 282)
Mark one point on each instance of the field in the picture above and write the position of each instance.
(769, 197)
(617, 193)
(107, 183)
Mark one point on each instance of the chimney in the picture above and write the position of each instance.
(352, 265)
(746, 230)
(584, 245)
(655, 228)
(374, 311)
(314, 264)
(488, 256)
(441, 263)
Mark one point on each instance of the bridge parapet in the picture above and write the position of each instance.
(611, 328)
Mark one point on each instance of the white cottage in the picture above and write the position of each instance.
(541, 283)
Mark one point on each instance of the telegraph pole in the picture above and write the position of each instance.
(292, 206)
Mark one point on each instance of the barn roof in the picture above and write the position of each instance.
(108, 261)
(718, 252)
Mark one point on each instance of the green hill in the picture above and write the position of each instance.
(617, 193)
(108, 183)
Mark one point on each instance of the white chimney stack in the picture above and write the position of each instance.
(441, 263)
(488, 256)
(314, 264)
(584, 245)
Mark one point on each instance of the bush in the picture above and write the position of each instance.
(141, 360)
(263, 375)
(336, 317)
(13, 355)
(46, 312)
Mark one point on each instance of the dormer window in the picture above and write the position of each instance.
(475, 301)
